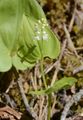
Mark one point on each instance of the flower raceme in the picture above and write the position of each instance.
(40, 32)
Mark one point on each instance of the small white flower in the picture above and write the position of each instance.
(44, 32)
(40, 33)
(43, 27)
(37, 37)
(39, 21)
(45, 36)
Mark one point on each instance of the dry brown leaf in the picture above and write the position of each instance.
(9, 113)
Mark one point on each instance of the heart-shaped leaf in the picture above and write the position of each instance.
(45, 42)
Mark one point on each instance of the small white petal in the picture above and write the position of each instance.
(37, 37)
(43, 27)
(38, 32)
(45, 37)
(39, 21)
(44, 32)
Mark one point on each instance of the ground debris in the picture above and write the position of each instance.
(7, 113)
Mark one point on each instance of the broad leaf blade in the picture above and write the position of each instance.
(21, 65)
(5, 59)
(29, 50)
(10, 16)
(50, 47)
(33, 9)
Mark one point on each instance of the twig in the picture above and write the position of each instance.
(70, 43)
(72, 21)
(10, 101)
(75, 98)
(44, 114)
(78, 69)
(79, 48)
(10, 86)
(24, 97)
(47, 70)
(53, 106)
(32, 81)
(41, 107)
(36, 71)
(73, 17)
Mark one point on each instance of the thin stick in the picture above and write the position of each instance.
(75, 98)
(44, 114)
(79, 48)
(78, 69)
(10, 101)
(72, 21)
(35, 76)
(47, 70)
(33, 81)
(24, 97)
(53, 106)
(70, 43)
(41, 107)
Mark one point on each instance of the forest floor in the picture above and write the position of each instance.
(66, 20)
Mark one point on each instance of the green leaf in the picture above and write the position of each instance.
(28, 51)
(19, 65)
(48, 48)
(10, 16)
(65, 82)
(51, 47)
(33, 9)
(5, 59)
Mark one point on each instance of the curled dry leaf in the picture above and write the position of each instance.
(9, 113)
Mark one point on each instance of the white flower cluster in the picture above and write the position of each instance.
(40, 31)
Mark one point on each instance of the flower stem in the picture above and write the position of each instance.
(49, 107)
(49, 96)
(42, 72)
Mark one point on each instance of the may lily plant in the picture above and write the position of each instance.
(25, 39)
(25, 35)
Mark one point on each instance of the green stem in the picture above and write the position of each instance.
(42, 72)
(44, 81)
(41, 64)
(49, 96)
(49, 107)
